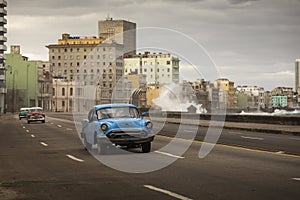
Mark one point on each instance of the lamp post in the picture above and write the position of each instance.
(13, 90)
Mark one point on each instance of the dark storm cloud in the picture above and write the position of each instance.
(242, 36)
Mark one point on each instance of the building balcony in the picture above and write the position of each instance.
(3, 38)
(3, 29)
(3, 11)
(3, 47)
(3, 20)
(3, 2)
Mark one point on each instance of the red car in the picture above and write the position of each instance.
(35, 114)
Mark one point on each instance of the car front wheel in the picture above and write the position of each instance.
(146, 147)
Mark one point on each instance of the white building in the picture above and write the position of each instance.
(159, 68)
(256, 95)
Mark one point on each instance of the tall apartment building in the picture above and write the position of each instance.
(84, 61)
(159, 68)
(297, 75)
(3, 30)
(121, 31)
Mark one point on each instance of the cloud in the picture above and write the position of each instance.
(240, 1)
(249, 36)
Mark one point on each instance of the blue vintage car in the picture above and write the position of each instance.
(109, 125)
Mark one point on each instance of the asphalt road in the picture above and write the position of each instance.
(48, 161)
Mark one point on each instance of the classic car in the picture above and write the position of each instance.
(111, 125)
(35, 114)
(23, 113)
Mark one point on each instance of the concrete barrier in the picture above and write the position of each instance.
(282, 120)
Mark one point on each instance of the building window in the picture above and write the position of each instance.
(65, 50)
(63, 103)
(168, 62)
(53, 91)
(71, 91)
(63, 92)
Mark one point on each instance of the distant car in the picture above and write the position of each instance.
(118, 124)
(35, 114)
(23, 113)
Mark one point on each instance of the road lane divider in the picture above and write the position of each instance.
(74, 158)
(24, 127)
(69, 129)
(296, 179)
(59, 126)
(252, 138)
(167, 192)
(27, 131)
(169, 154)
(33, 136)
(233, 147)
(44, 144)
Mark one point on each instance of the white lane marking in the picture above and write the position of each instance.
(33, 136)
(294, 138)
(74, 158)
(232, 132)
(24, 127)
(280, 152)
(44, 144)
(188, 131)
(252, 138)
(172, 194)
(27, 131)
(52, 123)
(296, 179)
(59, 126)
(168, 154)
(69, 129)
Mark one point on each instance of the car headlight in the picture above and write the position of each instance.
(103, 127)
(149, 125)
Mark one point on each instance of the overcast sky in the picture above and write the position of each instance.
(252, 42)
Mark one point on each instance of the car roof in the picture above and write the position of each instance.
(24, 108)
(117, 105)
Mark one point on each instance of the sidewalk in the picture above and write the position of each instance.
(267, 128)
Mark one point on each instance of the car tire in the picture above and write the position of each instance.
(43, 121)
(28, 122)
(146, 147)
(87, 145)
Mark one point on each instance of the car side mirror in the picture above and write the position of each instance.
(143, 114)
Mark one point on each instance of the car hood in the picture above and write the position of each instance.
(124, 122)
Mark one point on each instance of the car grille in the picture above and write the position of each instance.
(118, 134)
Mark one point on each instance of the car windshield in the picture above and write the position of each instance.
(35, 110)
(121, 112)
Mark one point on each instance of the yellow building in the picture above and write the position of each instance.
(226, 95)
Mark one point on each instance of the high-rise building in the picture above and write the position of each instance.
(120, 31)
(297, 75)
(3, 21)
(84, 61)
(158, 68)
